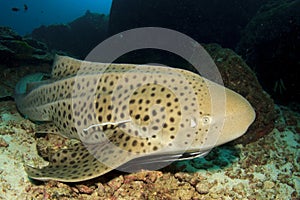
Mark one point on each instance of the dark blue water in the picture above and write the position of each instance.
(46, 12)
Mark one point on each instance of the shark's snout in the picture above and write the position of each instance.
(239, 115)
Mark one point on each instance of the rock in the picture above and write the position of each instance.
(270, 44)
(9, 77)
(78, 37)
(20, 48)
(7, 33)
(5, 51)
(268, 185)
(84, 189)
(206, 21)
(3, 143)
(15, 50)
(36, 44)
(202, 188)
(239, 77)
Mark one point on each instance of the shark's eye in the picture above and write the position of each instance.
(206, 120)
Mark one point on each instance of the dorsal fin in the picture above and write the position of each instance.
(64, 66)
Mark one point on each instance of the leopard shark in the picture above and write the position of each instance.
(128, 113)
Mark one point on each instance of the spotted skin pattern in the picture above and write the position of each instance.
(117, 112)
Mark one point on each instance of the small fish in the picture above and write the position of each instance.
(15, 9)
(129, 114)
(25, 7)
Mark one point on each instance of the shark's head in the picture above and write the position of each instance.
(239, 115)
(230, 115)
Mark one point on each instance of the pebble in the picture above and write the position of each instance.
(269, 184)
(3, 143)
(202, 188)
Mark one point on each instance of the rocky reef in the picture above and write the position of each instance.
(270, 44)
(238, 76)
(205, 21)
(20, 56)
(16, 50)
(266, 169)
(76, 38)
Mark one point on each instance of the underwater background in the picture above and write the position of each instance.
(256, 47)
(24, 16)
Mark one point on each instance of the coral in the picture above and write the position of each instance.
(7, 33)
(15, 50)
(22, 49)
